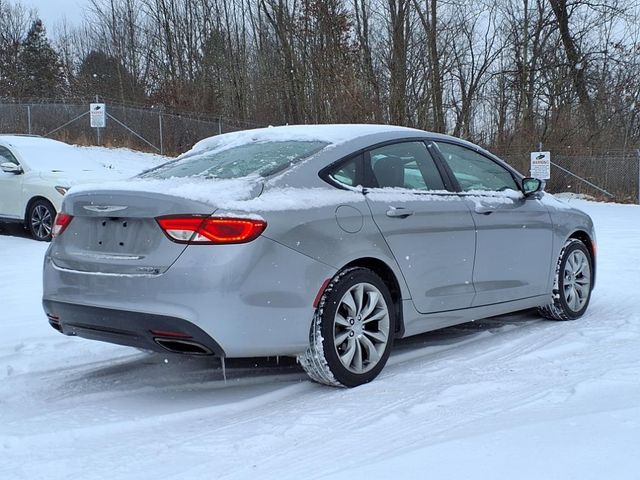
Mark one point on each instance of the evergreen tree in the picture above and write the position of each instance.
(104, 75)
(40, 69)
(8, 69)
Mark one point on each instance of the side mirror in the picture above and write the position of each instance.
(531, 186)
(9, 167)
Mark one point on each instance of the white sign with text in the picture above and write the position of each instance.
(98, 114)
(541, 165)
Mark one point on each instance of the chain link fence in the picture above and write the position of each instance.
(612, 176)
(139, 128)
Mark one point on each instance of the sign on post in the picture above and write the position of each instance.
(98, 114)
(541, 165)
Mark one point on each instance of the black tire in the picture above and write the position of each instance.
(40, 218)
(324, 359)
(560, 308)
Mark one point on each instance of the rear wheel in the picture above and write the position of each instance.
(40, 218)
(352, 330)
(572, 284)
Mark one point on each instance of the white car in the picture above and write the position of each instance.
(35, 173)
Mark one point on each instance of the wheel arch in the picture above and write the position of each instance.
(388, 276)
(33, 200)
(586, 239)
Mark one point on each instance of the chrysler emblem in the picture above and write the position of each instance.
(104, 208)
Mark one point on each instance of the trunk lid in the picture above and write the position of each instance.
(116, 232)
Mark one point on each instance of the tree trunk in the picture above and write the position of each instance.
(576, 67)
(398, 62)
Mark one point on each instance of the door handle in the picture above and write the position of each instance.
(484, 210)
(399, 212)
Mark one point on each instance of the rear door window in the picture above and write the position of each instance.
(406, 165)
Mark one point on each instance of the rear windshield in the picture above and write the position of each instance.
(260, 158)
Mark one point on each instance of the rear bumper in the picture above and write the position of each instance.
(245, 300)
(143, 330)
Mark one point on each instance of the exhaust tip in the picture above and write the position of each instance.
(56, 325)
(184, 347)
(54, 321)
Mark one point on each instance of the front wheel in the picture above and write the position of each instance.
(40, 218)
(352, 330)
(572, 284)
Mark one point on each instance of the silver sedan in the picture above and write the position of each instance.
(321, 242)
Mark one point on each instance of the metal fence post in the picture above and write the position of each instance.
(160, 129)
(29, 117)
(98, 129)
(638, 155)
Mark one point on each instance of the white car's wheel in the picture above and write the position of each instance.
(352, 331)
(40, 218)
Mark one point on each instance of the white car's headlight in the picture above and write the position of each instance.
(62, 190)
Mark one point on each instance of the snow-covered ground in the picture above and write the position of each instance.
(121, 161)
(504, 398)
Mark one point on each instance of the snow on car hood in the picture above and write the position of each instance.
(59, 157)
(53, 158)
(70, 179)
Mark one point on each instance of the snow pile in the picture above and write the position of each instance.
(122, 161)
(573, 196)
(556, 201)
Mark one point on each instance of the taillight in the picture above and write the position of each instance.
(211, 230)
(61, 223)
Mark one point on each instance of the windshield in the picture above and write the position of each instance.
(260, 158)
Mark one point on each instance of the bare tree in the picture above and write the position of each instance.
(429, 21)
(576, 60)
(398, 32)
(474, 54)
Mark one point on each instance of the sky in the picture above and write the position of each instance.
(53, 12)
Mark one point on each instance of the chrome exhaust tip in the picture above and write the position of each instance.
(185, 347)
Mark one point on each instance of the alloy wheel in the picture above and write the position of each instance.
(361, 328)
(41, 221)
(576, 280)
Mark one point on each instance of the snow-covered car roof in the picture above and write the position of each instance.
(45, 154)
(20, 141)
(48, 155)
(332, 134)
